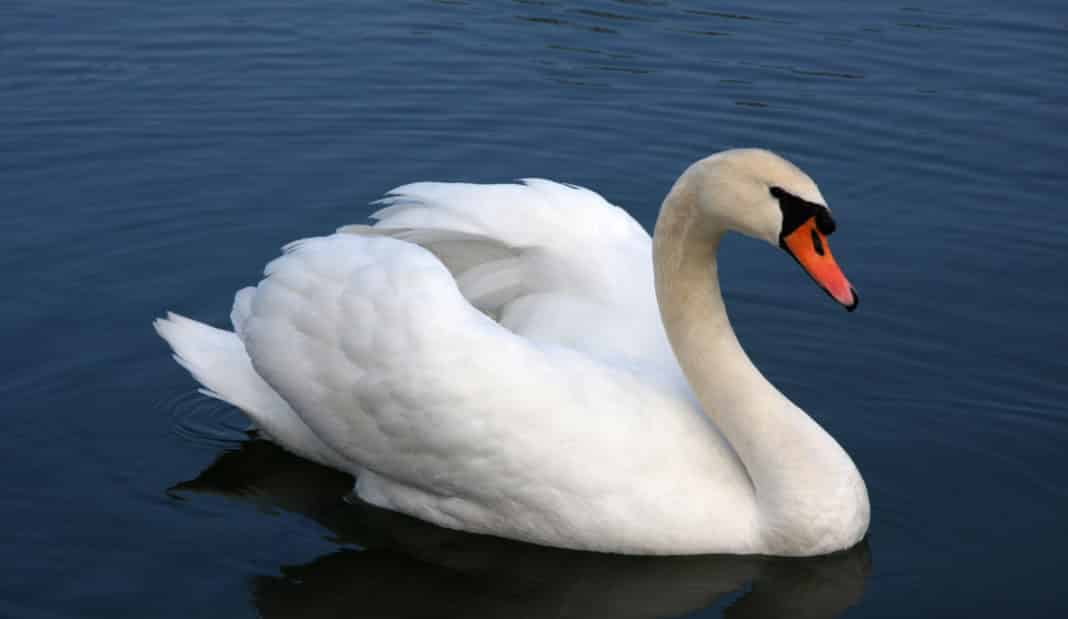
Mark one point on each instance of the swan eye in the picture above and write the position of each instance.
(796, 211)
(825, 222)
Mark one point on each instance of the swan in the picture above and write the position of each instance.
(523, 360)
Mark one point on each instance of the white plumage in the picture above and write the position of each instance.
(490, 358)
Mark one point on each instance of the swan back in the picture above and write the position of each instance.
(555, 263)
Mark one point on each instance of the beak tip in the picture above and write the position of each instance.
(856, 300)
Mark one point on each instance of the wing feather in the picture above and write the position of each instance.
(555, 263)
(372, 343)
(472, 350)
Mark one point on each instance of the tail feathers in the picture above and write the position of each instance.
(218, 360)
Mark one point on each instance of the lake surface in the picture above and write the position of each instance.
(155, 157)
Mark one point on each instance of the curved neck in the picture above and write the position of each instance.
(797, 470)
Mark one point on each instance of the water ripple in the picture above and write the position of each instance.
(205, 421)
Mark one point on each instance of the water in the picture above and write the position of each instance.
(154, 157)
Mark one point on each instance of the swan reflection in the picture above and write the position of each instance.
(408, 568)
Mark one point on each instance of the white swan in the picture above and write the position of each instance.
(492, 358)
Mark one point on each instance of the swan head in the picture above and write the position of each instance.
(760, 194)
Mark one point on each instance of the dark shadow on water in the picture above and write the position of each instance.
(408, 568)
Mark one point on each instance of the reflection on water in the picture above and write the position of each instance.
(404, 567)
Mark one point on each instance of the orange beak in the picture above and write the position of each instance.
(809, 247)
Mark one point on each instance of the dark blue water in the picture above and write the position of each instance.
(155, 157)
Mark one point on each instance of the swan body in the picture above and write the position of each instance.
(524, 360)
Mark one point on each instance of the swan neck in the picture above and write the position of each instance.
(729, 388)
(799, 473)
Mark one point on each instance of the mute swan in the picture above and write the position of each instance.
(523, 360)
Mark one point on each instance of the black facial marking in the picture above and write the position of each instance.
(796, 211)
(817, 244)
(824, 222)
